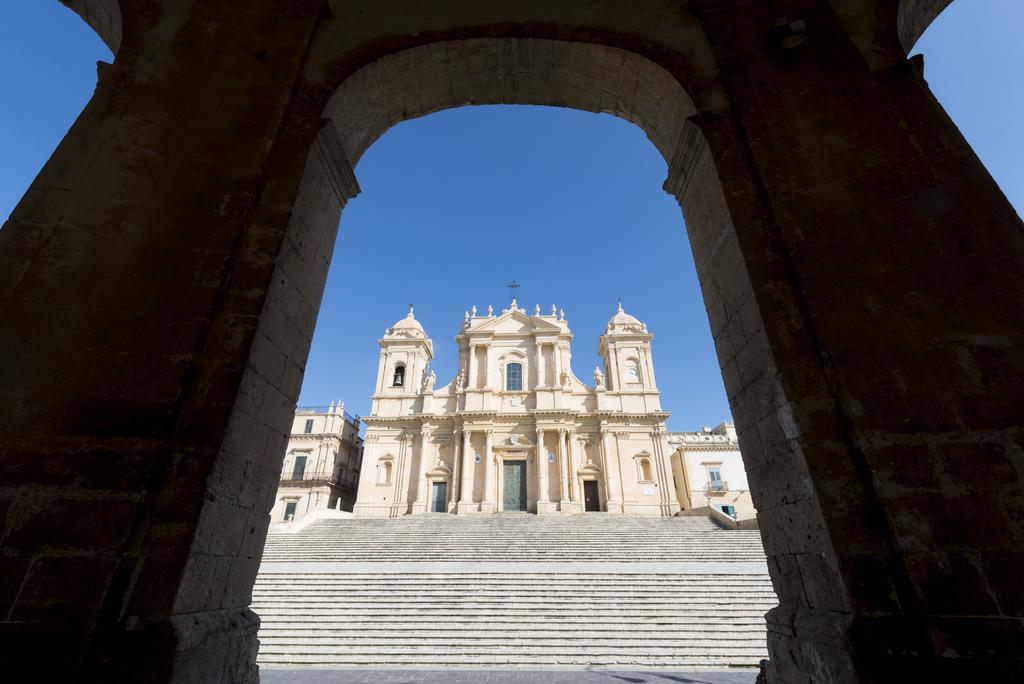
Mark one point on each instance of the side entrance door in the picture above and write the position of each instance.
(513, 475)
(591, 502)
(439, 497)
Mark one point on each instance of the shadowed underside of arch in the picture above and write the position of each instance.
(436, 76)
(914, 17)
(104, 16)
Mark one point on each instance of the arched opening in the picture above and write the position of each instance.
(398, 378)
(384, 472)
(813, 399)
(645, 469)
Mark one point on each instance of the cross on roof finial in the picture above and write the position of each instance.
(620, 303)
(512, 287)
(410, 309)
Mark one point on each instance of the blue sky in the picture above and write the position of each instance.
(457, 204)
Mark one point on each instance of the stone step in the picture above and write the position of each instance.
(511, 659)
(499, 637)
(670, 616)
(626, 591)
(464, 603)
(397, 608)
(551, 650)
(372, 630)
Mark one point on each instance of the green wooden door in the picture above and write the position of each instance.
(514, 481)
(439, 497)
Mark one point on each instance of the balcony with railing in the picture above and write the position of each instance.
(349, 418)
(327, 476)
(716, 486)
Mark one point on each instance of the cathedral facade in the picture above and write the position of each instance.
(516, 430)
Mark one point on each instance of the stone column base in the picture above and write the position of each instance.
(487, 507)
(467, 508)
(547, 508)
(418, 508)
(570, 507)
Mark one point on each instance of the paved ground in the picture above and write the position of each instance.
(310, 676)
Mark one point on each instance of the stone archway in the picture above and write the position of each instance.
(914, 17)
(161, 279)
(103, 16)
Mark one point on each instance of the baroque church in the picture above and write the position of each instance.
(515, 429)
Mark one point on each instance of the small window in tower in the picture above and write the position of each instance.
(399, 379)
(514, 377)
(632, 371)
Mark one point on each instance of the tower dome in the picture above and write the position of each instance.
(407, 327)
(623, 322)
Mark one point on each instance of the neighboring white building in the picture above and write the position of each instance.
(709, 472)
(321, 465)
(515, 430)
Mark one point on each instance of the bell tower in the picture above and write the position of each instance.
(405, 352)
(625, 348)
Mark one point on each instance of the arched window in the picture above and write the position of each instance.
(514, 377)
(645, 470)
(399, 379)
(633, 371)
(385, 473)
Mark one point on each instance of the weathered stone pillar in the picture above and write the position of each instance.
(863, 279)
(157, 297)
(488, 498)
(613, 503)
(453, 495)
(574, 464)
(425, 463)
(466, 493)
(542, 472)
(474, 371)
(563, 470)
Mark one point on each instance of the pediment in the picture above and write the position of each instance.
(589, 469)
(515, 442)
(440, 470)
(517, 322)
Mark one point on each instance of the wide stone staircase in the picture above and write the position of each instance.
(516, 537)
(514, 591)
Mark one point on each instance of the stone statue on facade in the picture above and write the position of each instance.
(428, 382)
(598, 379)
(458, 381)
(565, 378)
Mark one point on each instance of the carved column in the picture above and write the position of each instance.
(574, 465)
(424, 464)
(466, 494)
(556, 354)
(542, 471)
(488, 498)
(472, 366)
(453, 495)
(487, 366)
(619, 435)
(611, 475)
(669, 502)
(563, 469)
